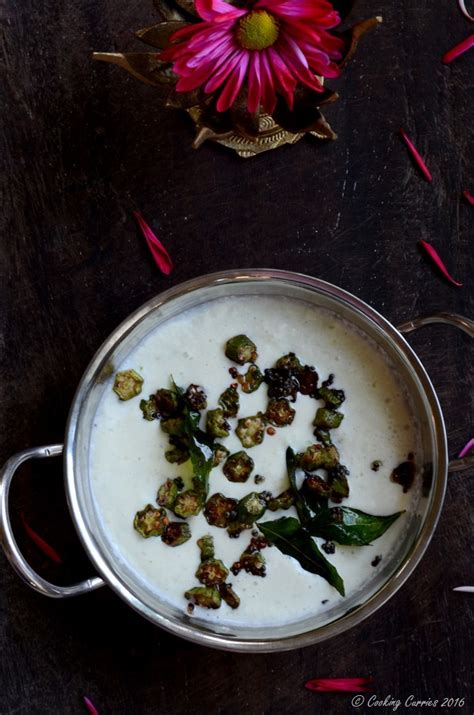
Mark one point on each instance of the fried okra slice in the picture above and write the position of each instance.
(241, 349)
(229, 402)
(238, 467)
(168, 402)
(282, 501)
(128, 384)
(318, 457)
(150, 521)
(149, 408)
(204, 596)
(323, 436)
(229, 595)
(188, 503)
(337, 480)
(251, 380)
(308, 379)
(251, 430)
(176, 533)
(249, 509)
(173, 426)
(206, 547)
(279, 412)
(196, 398)
(220, 510)
(290, 362)
(220, 453)
(177, 455)
(332, 398)
(168, 492)
(216, 423)
(212, 572)
(327, 419)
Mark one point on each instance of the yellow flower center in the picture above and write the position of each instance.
(257, 30)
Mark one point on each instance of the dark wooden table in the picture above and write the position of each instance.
(85, 144)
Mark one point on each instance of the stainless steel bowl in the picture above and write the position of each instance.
(115, 572)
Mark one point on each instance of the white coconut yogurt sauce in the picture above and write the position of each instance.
(127, 460)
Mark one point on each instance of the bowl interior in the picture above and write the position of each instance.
(121, 576)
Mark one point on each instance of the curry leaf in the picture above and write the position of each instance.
(201, 446)
(349, 527)
(288, 536)
(300, 504)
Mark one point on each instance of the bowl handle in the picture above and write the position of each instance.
(10, 547)
(467, 326)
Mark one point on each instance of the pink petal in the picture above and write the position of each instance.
(217, 10)
(223, 72)
(233, 85)
(90, 706)
(160, 255)
(458, 49)
(416, 156)
(467, 448)
(41, 543)
(464, 589)
(282, 77)
(254, 84)
(341, 685)
(268, 90)
(469, 197)
(435, 257)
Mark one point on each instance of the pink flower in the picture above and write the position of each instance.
(269, 45)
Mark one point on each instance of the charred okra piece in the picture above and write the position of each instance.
(128, 384)
(205, 596)
(216, 423)
(251, 430)
(282, 501)
(238, 467)
(323, 436)
(337, 480)
(229, 401)
(176, 533)
(195, 398)
(252, 379)
(250, 508)
(241, 349)
(177, 455)
(318, 457)
(206, 546)
(317, 486)
(168, 492)
(168, 402)
(188, 503)
(212, 572)
(150, 521)
(229, 595)
(289, 362)
(279, 412)
(220, 510)
(149, 408)
(220, 453)
(332, 398)
(327, 419)
(173, 426)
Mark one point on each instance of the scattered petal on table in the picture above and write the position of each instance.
(419, 161)
(41, 543)
(90, 706)
(340, 685)
(458, 50)
(467, 448)
(160, 255)
(469, 197)
(435, 257)
(464, 589)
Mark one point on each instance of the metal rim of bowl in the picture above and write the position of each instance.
(346, 621)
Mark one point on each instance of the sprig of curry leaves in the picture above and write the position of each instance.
(201, 446)
(346, 526)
